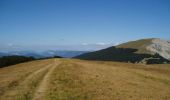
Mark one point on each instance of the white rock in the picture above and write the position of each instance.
(161, 47)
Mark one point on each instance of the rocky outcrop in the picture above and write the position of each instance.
(160, 47)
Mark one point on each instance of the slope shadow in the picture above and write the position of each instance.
(122, 55)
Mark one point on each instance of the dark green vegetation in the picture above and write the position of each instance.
(49, 57)
(57, 57)
(11, 60)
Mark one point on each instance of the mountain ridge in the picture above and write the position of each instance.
(151, 50)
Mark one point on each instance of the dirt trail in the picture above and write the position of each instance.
(15, 92)
(36, 72)
(44, 83)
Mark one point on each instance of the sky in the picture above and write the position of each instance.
(81, 22)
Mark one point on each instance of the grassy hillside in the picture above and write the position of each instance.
(122, 55)
(133, 51)
(69, 79)
(140, 45)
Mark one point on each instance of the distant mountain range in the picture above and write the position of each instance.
(3, 54)
(49, 53)
(140, 51)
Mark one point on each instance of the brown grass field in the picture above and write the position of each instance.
(71, 79)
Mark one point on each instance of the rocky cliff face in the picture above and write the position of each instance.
(160, 47)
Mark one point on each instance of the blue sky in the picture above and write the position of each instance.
(75, 22)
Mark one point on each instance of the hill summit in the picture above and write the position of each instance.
(149, 51)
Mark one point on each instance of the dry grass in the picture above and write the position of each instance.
(88, 80)
(140, 45)
(18, 80)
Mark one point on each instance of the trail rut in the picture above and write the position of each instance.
(24, 85)
(44, 83)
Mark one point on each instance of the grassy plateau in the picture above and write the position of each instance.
(71, 79)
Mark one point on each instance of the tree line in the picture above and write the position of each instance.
(11, 60)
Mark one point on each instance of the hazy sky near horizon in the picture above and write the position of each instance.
(71, 22)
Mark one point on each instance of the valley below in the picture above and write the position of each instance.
(73, 79)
